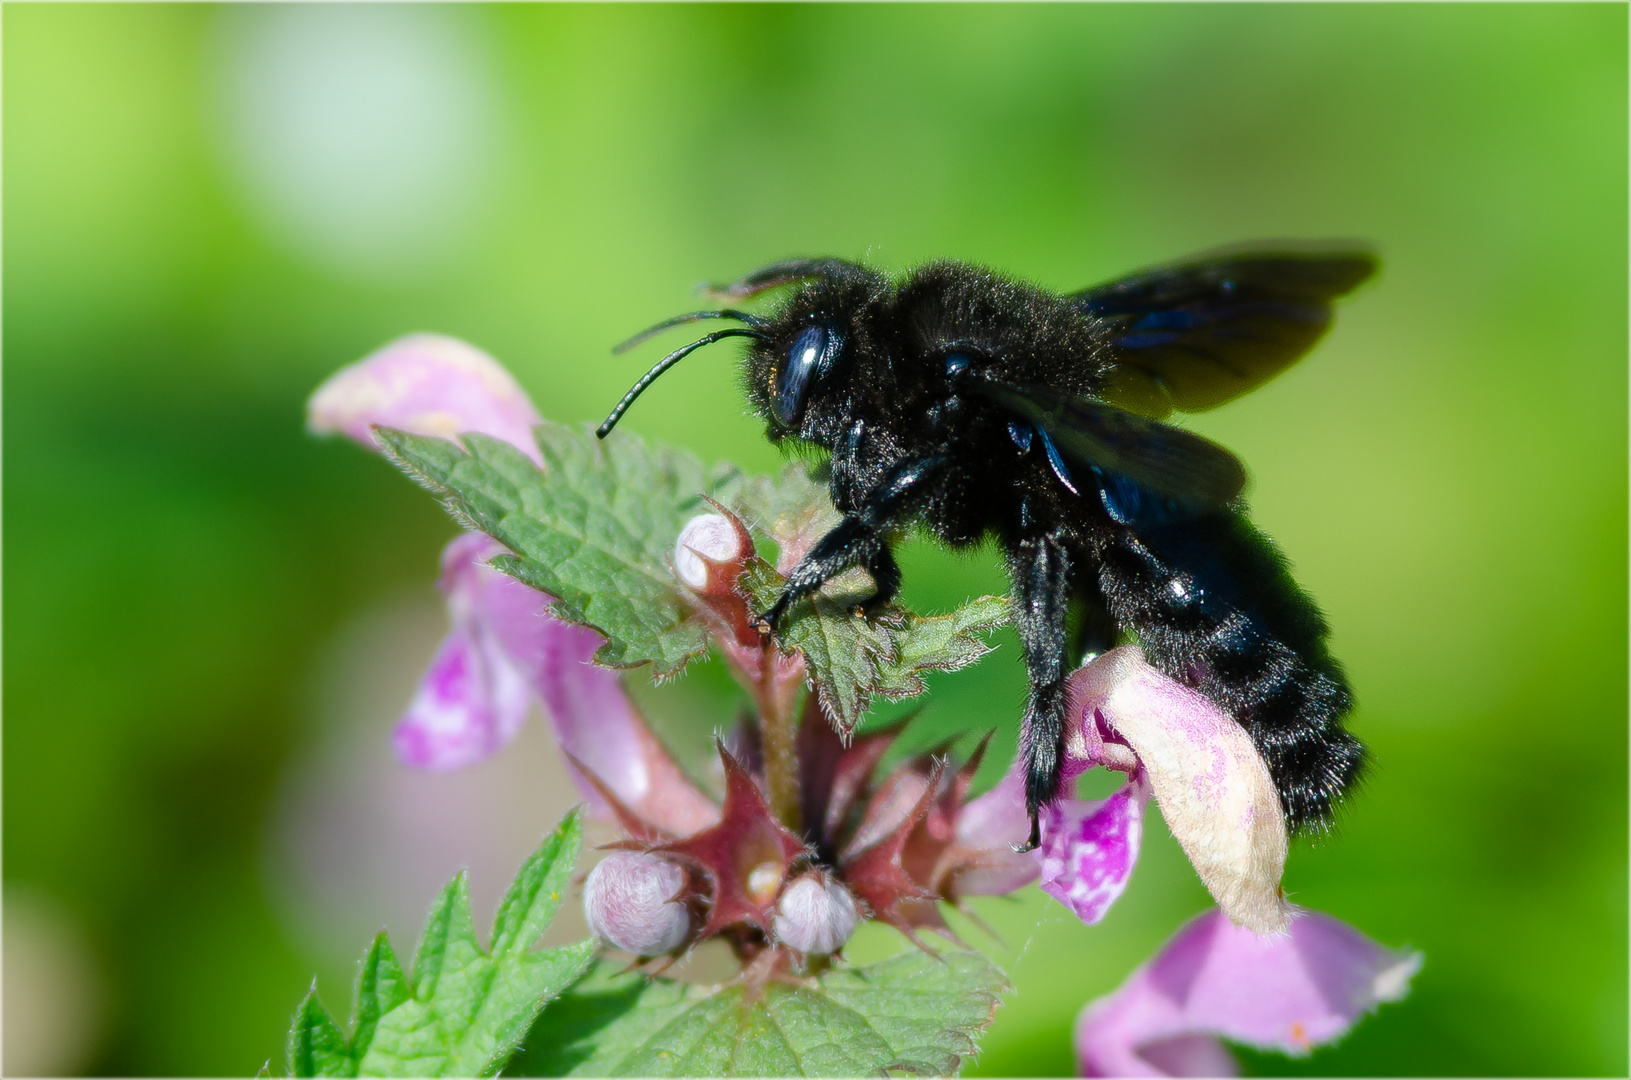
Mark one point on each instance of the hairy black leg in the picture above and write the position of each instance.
(860, 538)
(849, 542)
(1040, 566)
(885, 573)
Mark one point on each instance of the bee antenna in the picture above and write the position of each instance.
(689, 317)
(663, 365)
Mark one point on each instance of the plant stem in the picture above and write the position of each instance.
(778, 732)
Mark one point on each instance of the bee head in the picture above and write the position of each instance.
(800, 368)
(801, 376)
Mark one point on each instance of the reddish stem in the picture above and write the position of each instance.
(776, 695)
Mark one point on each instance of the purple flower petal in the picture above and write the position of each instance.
(1089, 848)
(429, 385)
(1214, 789)
(474, 698)
(596, 723)
(989, 825)
(1189, 1055)
(471, 702)
(593, 718)
(1289, 993)
(505, 647)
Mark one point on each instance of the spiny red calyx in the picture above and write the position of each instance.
(885, 850)
(745, 857)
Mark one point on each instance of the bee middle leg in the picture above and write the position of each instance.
(1040, 566)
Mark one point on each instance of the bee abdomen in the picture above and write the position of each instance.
(1213, 607)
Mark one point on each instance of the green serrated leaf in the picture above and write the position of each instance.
(589, 1027)
(594, 528)
(316, 1047)
(853, 658)
(381, 986)
(529, 904)
(929, 1011)
(912, 1013)
(939, 643)
(448, 929)
(465, 1010)
(470, 1009)
(421, 457)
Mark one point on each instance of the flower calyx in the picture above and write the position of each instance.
(886, 849)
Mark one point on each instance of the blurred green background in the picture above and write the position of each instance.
(207, 210)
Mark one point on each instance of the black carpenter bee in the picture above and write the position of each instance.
(982, 406)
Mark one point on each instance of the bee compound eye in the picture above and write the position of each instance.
(806, 361)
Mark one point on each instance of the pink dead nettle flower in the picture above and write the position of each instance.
(504, 649)
(1173, 743)
(890, 849)
(1288, 993)
(473, 699)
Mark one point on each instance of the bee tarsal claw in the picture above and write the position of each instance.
(767, 621)
(1033, 842)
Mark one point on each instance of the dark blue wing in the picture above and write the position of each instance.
(1195, 334)
(1145, 470)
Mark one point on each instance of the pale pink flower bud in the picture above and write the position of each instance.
(631, 900)
(816, 915)
(709, 552)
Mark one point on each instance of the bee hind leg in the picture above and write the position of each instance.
(1040, 567)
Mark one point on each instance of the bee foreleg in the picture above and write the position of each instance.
(861, 539)
(1040, 566)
